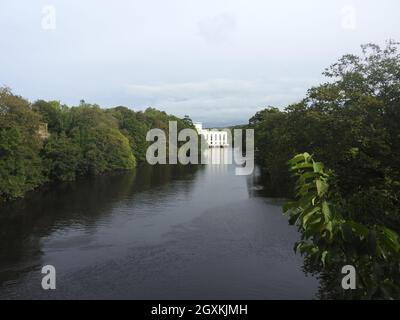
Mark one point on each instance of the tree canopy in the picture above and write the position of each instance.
(351, 124)
(83, 140)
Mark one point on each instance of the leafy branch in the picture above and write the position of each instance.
(329, 240)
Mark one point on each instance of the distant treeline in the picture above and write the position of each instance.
(351, 123)
(47, 141)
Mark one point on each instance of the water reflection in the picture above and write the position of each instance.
(82, 205)
(160, 232)
(220, 157)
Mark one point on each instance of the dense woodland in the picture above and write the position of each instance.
(346, 135)
(81, 140)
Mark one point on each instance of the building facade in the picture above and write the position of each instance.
(215, 138)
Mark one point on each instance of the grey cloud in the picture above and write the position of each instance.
(218, 61)
(222, 101)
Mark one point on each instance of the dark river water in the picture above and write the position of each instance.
(168, 232)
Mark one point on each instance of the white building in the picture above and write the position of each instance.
(215, 138)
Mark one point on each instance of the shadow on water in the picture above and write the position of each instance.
(163, 232)
(84, 203)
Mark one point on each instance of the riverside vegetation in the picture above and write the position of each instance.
(342, 144)
(349, 211)
(81, 140)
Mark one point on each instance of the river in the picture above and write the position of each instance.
(166, 232)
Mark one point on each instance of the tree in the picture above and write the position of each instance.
(61, 158)
(52, 114)
(20, 163)
(351, 124)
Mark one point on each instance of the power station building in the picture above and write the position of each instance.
(215, 138)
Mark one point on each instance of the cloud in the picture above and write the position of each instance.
(234, 101)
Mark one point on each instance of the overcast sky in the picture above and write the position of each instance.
(217, 61)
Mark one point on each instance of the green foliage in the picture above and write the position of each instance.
(52, 113)
(62, 158)
(84, 140)
(103, 147)
(351, 124)
(135, 125)
(330, 241)
(20, 163)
